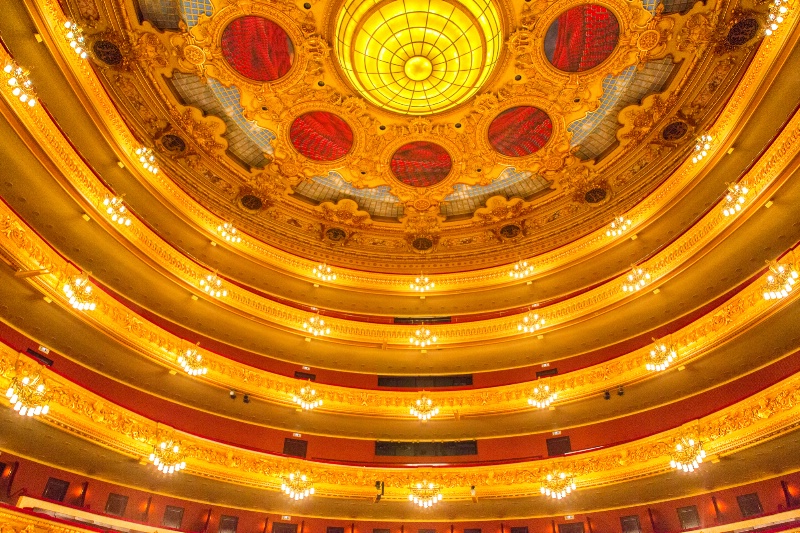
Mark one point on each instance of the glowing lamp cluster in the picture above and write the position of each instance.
(618, 226)
(213, 286)
(28, 396)
(147, 159)
(75, 39)
(116, 210)
(425, 494)
(323, 272)
(297, 486)
(424, 408)
(636, 280)
(315, 325)
(192, 362)
(777, 11)
(780, 281)
(688, 455)
(520, 270)
(735, 197)
(167, 457)
(701, 147)
(422, 338)
(21, 86)
(80, 293)
(307, 398)
(557, 485)
(229, 233)
(421, 284)
(661, 355)
(541, 397)
(530, 322)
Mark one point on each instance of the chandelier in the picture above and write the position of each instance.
(117, 210)
(520, 269)
(637, 279)
(777, 10)
(324, 272)
(28, 396)
(661, 355)
(306, 398)
(542, 397)
(424, 408)
(315, 325)
(425, 494)
(75, 39)
(21, 86)
(780, 281)
(192, 362)
(557, 485)
(213, 286)
(734, 198)
(229, 233)
(422, 337)
(688, 455)
(147, 159)
(530, 322)
(80, 293)
(297, 486)
(421, 284)
(167, 457)
(618, 226)
(701, 147)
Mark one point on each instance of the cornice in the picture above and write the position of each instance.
(770, 413)
(28, 251)
(736, 108)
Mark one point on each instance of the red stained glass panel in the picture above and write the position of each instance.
(321, 136)
(421, 164)
(257, 48)
(520, 131)
(581, 38)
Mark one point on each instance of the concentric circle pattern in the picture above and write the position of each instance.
(421, 164)
(581, 38)
(257, 48)
(418, 56)
(520, 131)
(321, 136)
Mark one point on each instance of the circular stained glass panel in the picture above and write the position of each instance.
(321, 136)
(520, 131)
(257, 48)
(421, 164)
(581, 38)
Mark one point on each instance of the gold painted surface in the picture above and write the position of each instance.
(422, 222)
(770, 413)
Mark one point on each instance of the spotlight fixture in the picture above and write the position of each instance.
(620, 391)
(147, 159)
(424, 408)
(297, 486)
(21, 86)
(636, 279)
(315, 325)
(213, 286)
(780, 280)
(688, 455)
(28, 396)
(618, 226)
(116, 210)
(80, 293)
(557, 485)
(422, 337)
(323, 272)
(75, 38)
(521, 269)
(735, 197)
(542, 397)
(701, 147)
(167, 457)
(661, 355)
(777, 12)
(422, 284)
(530, 322)
(425, 494)
(606, 395)
(229, 233)
(232, 394)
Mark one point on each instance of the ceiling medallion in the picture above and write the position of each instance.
(422, 337)
(213, 286)
(192, 362)
(424, 494)
(541, 397)
(636, 280)
(661, 355)
(28, 396)
(417, 57)
(80, 293)
(116, 210)
(521, 269)
(557, 485)
(297, 486)
(688, 455)
(530, 322)
(780, 281)
(167, 456)
(735, 197)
